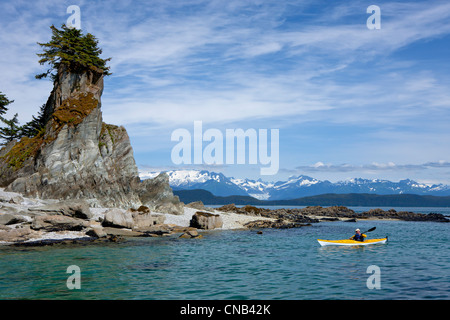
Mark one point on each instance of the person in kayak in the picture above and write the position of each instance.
(358, 236)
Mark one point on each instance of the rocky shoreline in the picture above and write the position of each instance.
(314, 214)
(33, 222)
(36, 222)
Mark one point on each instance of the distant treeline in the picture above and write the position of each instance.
(330, 199)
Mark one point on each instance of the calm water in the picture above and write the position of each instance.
(279, 264)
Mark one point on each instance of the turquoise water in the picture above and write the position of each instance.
(278, 264)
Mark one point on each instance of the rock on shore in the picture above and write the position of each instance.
(206, 220)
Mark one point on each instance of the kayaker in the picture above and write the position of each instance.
(358, 236)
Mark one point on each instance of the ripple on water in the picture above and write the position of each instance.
(280, 264)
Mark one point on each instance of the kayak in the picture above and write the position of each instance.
(348, 242)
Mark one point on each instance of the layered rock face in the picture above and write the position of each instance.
(77, 156)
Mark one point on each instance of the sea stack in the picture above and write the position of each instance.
(78, 156)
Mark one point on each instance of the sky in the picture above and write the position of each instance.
(348, 101)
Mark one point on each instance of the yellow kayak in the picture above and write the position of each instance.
(348, 242)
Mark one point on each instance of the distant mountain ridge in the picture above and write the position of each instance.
(295, 187)
(331, 199)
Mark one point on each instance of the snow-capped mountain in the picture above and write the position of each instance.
(294, 187)
(216, 183)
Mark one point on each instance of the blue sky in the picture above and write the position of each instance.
(348, 101)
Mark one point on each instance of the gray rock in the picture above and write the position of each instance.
(122, 232)
(144, 220)
(117, 218)
(199, 206)
(206, 220)
(51, 223)
(16, 200)
(77, 156)
(7, 219)
(17, 234)
(158, 196)
(191, 234)
(196, 205)
(71, 208)
(96, 232)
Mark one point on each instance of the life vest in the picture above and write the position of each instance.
(359, 237)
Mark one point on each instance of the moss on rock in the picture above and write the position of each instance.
(73, 110)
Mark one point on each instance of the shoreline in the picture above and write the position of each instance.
(23, 213)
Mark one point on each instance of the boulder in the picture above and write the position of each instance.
(206, 220)
(17, 234)
(199, 206)
(7, 219)
(191, 234)
(70, 208)
(118, 218)
(158, 196)
(96, 232)
(51, 223)
(146, 220)
(122, 232)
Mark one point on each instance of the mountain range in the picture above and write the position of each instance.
(295, 187)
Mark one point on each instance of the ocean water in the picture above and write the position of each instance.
(241, 264)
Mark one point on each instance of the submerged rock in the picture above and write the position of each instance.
(191, 234)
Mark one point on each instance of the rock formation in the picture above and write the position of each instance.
(206, 220)
(78, 156)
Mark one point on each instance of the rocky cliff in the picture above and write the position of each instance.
(78, 156)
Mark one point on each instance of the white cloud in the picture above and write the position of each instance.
(320, 166)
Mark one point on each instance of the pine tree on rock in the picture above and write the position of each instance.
(70, 48)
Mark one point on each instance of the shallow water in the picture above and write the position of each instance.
(279, 264)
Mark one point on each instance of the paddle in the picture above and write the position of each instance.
(371, 229)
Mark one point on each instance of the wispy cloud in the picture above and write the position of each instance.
(222, 67)
(322, 167)
(247, 58)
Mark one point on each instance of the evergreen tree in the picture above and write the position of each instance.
(4, 101)
(11, 131)
(32, 128)
(71, 48)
